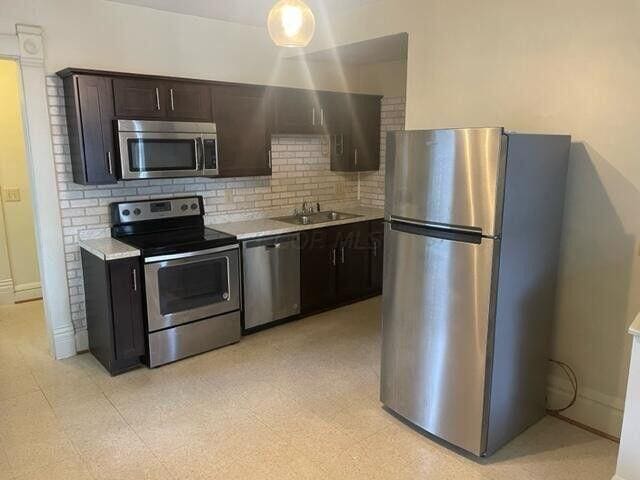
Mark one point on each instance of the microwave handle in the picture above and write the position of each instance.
(198, 143)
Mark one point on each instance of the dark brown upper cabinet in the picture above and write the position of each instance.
(298, 112)
(355, 147)
(139, 98)
(156, 99)
(188, 101)
(89, 109)
(243, 126)
(245, 115)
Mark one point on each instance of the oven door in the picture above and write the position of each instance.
(186, 287)
(159, 154)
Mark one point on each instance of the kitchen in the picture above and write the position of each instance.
(305, 167)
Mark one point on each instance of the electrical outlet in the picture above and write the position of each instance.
(11, 194)
(228, 195)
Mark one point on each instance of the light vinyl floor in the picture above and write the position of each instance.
(299, 401)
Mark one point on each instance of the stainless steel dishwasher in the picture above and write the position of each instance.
(271, 274)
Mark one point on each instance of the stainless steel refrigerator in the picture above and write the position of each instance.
(472, 235)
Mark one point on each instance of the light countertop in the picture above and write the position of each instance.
(634, 329)
(109, 248)
(264, 227)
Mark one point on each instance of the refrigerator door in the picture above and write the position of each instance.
(446, 177)
(437, 294)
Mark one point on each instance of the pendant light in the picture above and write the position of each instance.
(291, 23)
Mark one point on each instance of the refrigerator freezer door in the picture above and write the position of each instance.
(435, 323)
(448, 177)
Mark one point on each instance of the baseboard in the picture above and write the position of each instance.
(64, 341)
(26, 292)
(6, 291)
(599, 411)
(618, 477)
(82, 340)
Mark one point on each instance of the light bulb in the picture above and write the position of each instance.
(291, 20)
(291, 23)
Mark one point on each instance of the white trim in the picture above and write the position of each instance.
(595, 409)
(27, 291)
(617, 477)
(6, 291)
(27, 47)
(82, 340)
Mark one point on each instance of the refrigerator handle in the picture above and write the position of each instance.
(436, 232)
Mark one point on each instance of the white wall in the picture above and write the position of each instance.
(111, 36)
(547, 66)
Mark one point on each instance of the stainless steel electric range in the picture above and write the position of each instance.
(191, 276)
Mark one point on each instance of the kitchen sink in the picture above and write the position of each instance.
(317, 217)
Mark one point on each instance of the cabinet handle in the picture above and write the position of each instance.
(313, 116)
(375, 248)
(157, 99)
(269, 158)
(342, 254)
(171, 98)
(322, 117)
(109, 163)
(134, 274)
(355, 158)
(333, 257)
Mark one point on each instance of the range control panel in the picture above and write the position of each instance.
(125, 212)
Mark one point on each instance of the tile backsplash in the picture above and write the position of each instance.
(372, 183)
(300, 172)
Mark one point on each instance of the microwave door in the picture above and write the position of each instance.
(159, 155)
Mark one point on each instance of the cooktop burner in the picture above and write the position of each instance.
(165, 226)
(178, 241)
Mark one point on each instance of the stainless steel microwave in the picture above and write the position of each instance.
(162, 149)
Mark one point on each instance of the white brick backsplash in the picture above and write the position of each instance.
(372, 183)
(301, 171)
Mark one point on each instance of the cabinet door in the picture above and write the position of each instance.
(353, 261)
(127, 305)
(297, 112)
(318, 263)
(366, 132)
(139, 98)
(190, 102)
(95, 124)
(244, 137)
(376, 242)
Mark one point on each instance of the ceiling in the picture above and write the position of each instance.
(375, 50)
(248, 12)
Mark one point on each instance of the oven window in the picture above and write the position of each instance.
(193, 285)
(152, 155)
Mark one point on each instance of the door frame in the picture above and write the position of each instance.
(26, 47)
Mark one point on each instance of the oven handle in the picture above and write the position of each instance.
(197, 253)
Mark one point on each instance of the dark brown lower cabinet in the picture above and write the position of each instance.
(376, 242)
(318, 266)
(337, 266)
(353, 270)
(115, 312)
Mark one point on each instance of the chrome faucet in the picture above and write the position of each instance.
(307, 208)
